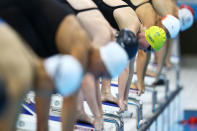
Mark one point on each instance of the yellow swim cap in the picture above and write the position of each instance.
(156, 37)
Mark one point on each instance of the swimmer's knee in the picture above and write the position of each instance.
(88, 79)
(141, 53)
(42, 77)
(126, 69)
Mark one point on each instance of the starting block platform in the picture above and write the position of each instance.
(151, 111)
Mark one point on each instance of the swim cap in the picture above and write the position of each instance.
(128, 41)
(156, 37)
(66, 72)
(187, 7)
(186, 16)
(114, 58)
(172, 24)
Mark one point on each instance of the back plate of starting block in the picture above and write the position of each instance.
(27, 119)
(109, 107)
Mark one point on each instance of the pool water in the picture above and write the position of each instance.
(186, 127)
(187, 115)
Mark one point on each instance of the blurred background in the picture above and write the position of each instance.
(188, 41)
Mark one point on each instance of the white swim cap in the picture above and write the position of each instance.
(114, 57)
(186, 18)
(172, 24)
(66, 72)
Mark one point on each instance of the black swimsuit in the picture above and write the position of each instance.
(107, 11)
(36, 21)
(75, 10)
(134, 7)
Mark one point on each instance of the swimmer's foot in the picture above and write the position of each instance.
(139, 86)
(122, 105)
(82, 116)
(109, 97)
(168, 65)
(151, 73)
(133, 86)
(98, 124)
